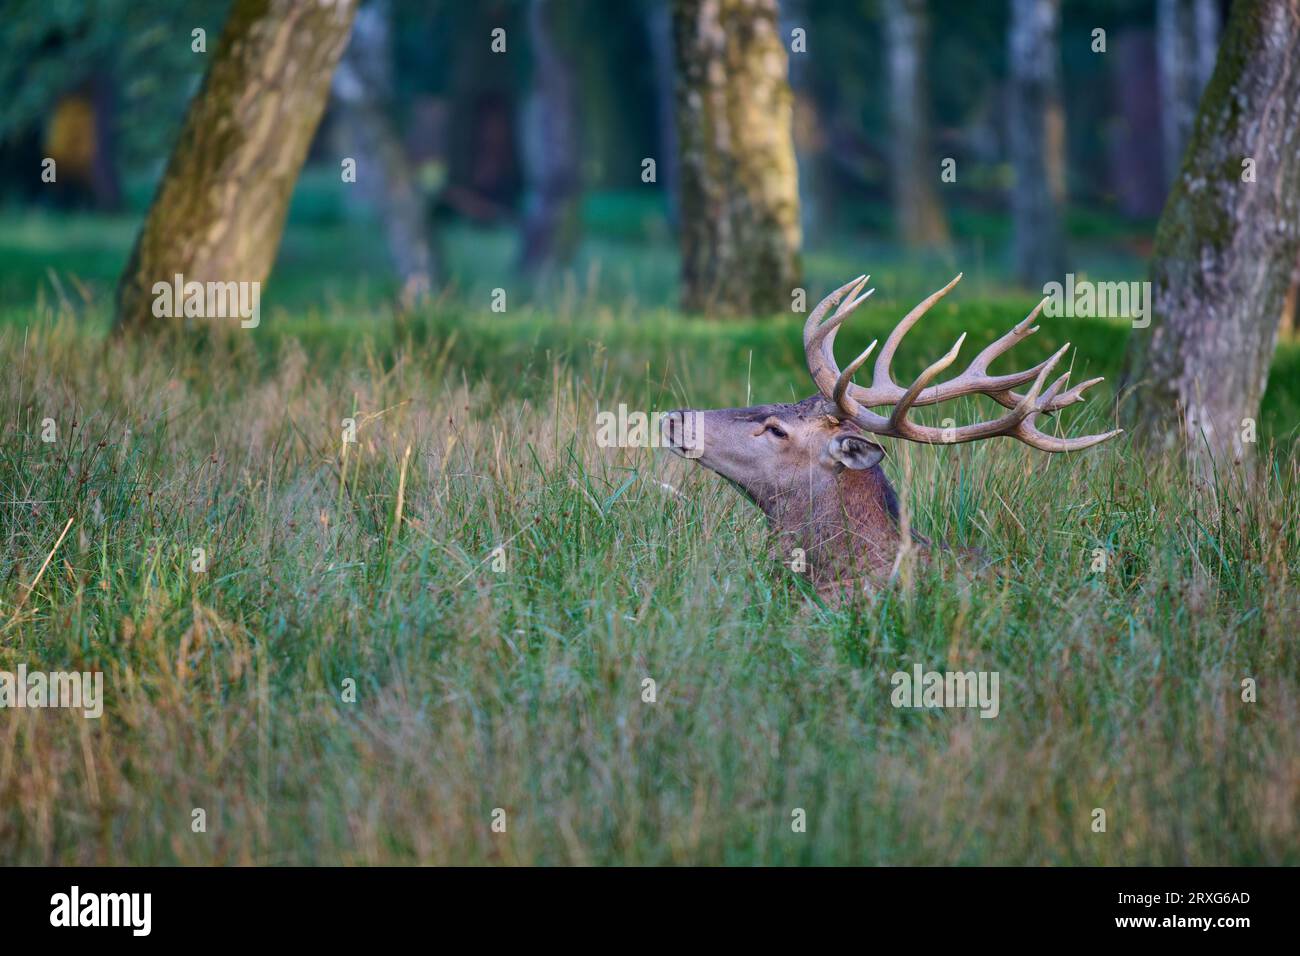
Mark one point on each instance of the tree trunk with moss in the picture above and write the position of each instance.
(1226, 245)
(219, 211)
(740, 232)
(914, 172)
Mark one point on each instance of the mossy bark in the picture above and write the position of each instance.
(219, 211)
(740, 230)
(1226, 245)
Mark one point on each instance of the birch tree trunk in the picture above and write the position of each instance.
(913, 170)
(220, 208)
(740, 231)
(363, 90)
(1227, 244)
(552, 164)
(1037, 140)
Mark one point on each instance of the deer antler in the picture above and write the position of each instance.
(852, 401)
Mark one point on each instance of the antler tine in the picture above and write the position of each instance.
(1075, 394)
(815, 330)
(826, 332)
(846, 376)
(850, 303)
(975, 378)
(1021, 419)
(1027, 433)
(1011, 399)
(821, 363)
(899, 427)
(819, 340)
(1050, 395)
(1029, 404)
(898, 419)
(882, 382)
(1021, 330)
(833, 298)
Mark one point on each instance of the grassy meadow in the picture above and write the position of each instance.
(521, 689)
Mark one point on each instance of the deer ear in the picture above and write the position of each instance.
(854, 452)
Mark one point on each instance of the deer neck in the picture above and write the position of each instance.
(848, 527)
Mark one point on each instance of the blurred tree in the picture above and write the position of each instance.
(1134, 150)
(619, 107)
(1187, 37)
(1207, 27)
(1286, 326)
(484, 178)
(1226, 245)
(552, 164)
(80, 139)
(363, 97)
(220, 208)
(659, 33)
(740, 231)
(913, 170)
(809, 129)
(1175, 43)
(1037, 140)
(129, 57)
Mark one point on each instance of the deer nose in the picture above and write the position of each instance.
(672, 427)
(679, 430)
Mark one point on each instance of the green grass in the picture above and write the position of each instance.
(522, 689)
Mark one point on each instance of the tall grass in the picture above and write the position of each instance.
(522, 689)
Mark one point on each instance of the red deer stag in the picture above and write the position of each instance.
(809, 465)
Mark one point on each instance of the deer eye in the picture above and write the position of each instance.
(775, 429)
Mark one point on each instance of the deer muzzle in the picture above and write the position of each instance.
(682, 432)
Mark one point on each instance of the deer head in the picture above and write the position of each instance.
(813, 466)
